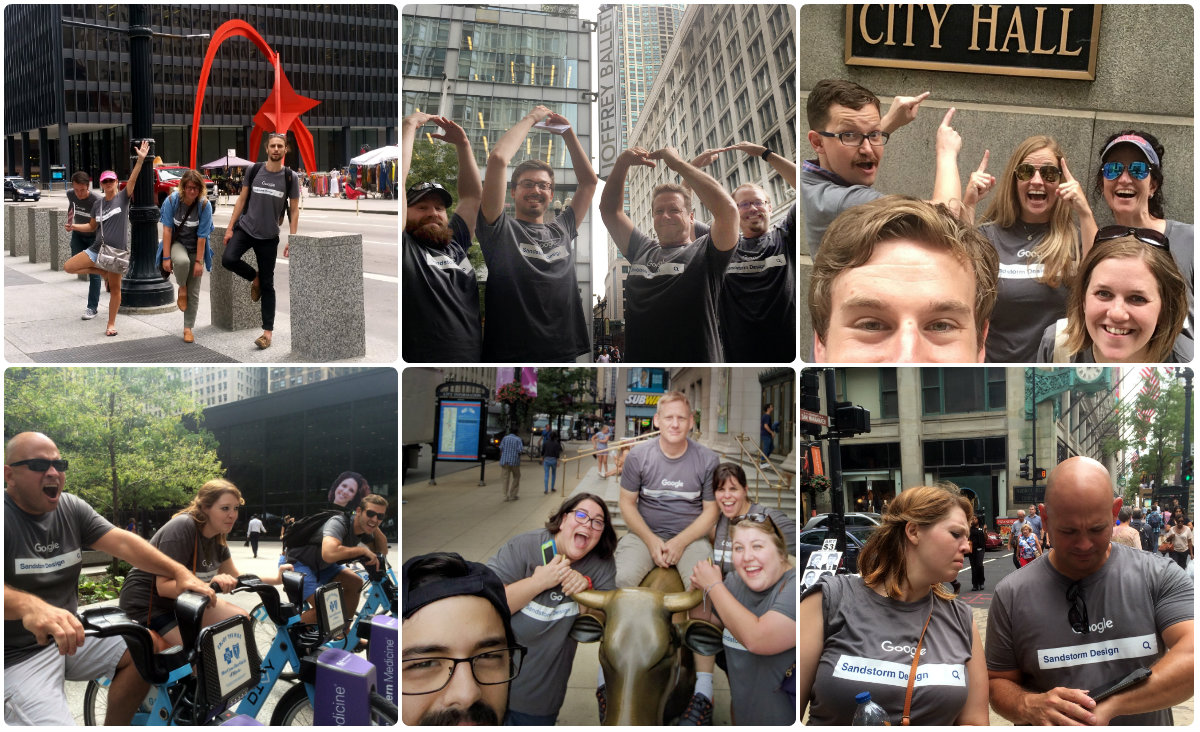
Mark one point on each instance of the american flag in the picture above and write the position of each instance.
(1150, 388)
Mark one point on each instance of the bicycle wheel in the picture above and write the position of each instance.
(294, 709)
(95, 703)
(264, 630)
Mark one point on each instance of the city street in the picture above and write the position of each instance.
(42, 307)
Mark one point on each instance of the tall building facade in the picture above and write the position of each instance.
(729, 75)
(289, 377)
(68, 97)
(486, 67)
(212, 386)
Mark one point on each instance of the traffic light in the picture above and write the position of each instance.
(1186, 470)
(1040, 473)
(1025, 467)
(850, 419)
(810, 398)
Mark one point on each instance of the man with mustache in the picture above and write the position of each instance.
(441, 293)
(459, 651)
(45, 530)
(534, 312)
(848, 135)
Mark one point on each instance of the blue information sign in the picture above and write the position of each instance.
(459, 423)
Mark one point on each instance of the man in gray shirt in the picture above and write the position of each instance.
(667, 498)
(1088, 614)
(81, 200)
(45, 531)
(254, 224)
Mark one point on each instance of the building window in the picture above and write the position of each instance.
(507, 54)
(958, 391)
(785, 54)
(756, 50)
(726, 125)
(425, 43)
(766, 113)
(741, 106)
(762, 82)
(738, 75)
(889, 395)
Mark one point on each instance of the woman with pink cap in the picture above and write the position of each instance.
(111, 216)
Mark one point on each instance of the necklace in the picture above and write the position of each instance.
(1029, 234)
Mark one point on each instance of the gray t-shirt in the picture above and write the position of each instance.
(1130, 601)
(83, 210)
(181, 540)
(534, 312)
(753, 679)
(339, 527)
(670, 491)
(1024, 304)
(722, 554)
(441, 300)
(43, 556)
(758, 297)
(869, 644)
(824, 196)
(269, 197)
(671, 300)
(113, 217)
(1183, 240)
(1181, 352)
(544, 625)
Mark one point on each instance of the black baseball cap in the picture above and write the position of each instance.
(479, 580)
(429, 188)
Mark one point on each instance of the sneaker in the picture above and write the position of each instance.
(89, 313)
(601, 702)
(699, 712)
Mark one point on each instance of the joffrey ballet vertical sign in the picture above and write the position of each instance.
(1010, 40)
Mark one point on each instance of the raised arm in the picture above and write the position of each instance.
(470, 186)
(612, 211)
(1071, 192)
(408, 135)
(586, 177)
(902, 111)
(786, 168)
(142, 151)
(978, 186)
(495, 180)
(765, 635)
(724, 231)
(947, 186)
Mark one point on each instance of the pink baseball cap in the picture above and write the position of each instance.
(107, 175)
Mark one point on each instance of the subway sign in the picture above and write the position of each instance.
(649, 400)
(1048, 41)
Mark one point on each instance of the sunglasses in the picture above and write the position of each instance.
(1138, 170)
(1049, 173)
(758, 518)
(1146, 236)
(1077, 613)
(41, 465)
(373, 514)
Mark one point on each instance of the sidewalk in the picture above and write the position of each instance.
(308, 201)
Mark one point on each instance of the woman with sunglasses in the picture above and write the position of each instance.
(756, 605)
(194, 537)
(541, 570)
(1131, 180)
(1128, 304)
(877, 621)
(1029, 223)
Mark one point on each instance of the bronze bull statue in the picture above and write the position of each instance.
(645, 651)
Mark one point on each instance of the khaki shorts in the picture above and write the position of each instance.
(634, 563)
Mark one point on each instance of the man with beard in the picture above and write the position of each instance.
(674, 283)
(534, 312)
(848, 135)
(271, 188)
(45, 530)
(441, 294)
(455, 612)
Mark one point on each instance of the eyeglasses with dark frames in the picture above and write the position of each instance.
(41, 465)
(1146, 236)
(878, 138)
(1049, 173)
(582, 517)
(1138, 170)
(430, 675)
(1077, 614)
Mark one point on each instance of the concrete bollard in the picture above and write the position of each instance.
(60, 240)
(20, 245)
(8, 228)
(229, 295)
(325, 283)
(39, 245)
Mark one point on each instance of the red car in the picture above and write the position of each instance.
(166, 182)
(993, 541)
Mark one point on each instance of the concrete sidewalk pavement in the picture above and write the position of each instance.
(307, 201)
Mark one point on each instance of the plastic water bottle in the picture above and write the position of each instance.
(868, 712)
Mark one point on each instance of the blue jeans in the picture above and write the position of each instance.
(550, 466)
(767, 444)
(313, 580)
(80, 242)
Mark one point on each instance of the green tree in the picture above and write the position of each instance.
(564, 392)
(1159, 440)
(124, 430)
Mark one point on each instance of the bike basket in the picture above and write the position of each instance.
(229, 663)
(331, 617)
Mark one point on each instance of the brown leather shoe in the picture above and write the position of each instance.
(262, 342)
(187, 336)
(181, 301)
(255, 292)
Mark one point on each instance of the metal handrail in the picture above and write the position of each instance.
(757, 458)
(612, 446)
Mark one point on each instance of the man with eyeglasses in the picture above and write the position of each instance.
(534, 312)
(1087, 614)
(441, 292)
(848, 135)
(459, 651)
(45, 530)
(340, 539)
(674, 283)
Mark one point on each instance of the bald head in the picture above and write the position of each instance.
(1079, 514)
(23, 443)
(1083, 475)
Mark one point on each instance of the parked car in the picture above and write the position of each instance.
(166, 182)
(851, 519)
(17, 188)
(811, 540)
(993, 541)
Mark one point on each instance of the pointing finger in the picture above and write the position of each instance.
(983, 165)
(920, 98)
(1066, 171)
(949, 116)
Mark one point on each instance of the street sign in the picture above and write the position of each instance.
(813, 417)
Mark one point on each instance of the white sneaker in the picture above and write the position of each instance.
(88, 314)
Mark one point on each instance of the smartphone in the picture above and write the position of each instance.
(548, 551)
(1133, 679)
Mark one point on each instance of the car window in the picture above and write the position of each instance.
(169, 175)
(815, 536)
(862, 533)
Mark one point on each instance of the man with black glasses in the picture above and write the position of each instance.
(45, 530)
(848, 135)
(1087, 614)
(455, 612)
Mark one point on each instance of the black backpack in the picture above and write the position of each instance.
(289, 180)
(1146, 533)
(304, 530)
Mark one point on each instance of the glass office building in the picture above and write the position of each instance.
(68, 98)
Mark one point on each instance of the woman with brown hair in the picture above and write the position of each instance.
(187, 223)
(194, 537)
(897, 616)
